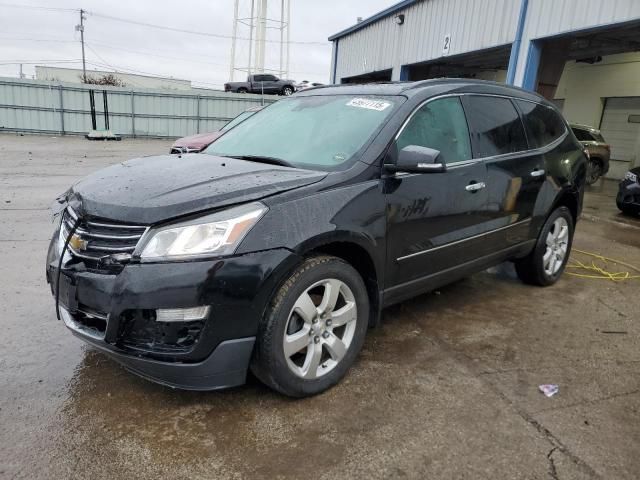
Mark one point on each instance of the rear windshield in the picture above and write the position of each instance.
(319, 132)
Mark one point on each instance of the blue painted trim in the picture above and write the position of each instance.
(530, 80)
(515, 47)
(404, 73)
(378, 16)
(334, 69)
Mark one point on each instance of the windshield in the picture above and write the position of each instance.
(319, 132)
(239, 119)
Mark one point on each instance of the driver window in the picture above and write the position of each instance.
(440, 125)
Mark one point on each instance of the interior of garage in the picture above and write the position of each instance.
(593, 76)
(380, 76)
(488, 64)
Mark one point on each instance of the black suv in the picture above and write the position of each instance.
(278, 247)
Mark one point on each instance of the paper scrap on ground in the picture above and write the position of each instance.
(549, 390)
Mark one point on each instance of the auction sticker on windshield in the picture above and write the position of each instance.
(369, 104)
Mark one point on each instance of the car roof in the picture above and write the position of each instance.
(437, 86)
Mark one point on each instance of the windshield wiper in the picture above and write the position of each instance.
(261, 159)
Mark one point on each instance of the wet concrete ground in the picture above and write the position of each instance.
(446, 388)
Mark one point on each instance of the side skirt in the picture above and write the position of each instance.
(432, 281)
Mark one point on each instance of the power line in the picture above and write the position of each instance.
(193, 32)
(28, 39)
(34, 7)
(182, 58)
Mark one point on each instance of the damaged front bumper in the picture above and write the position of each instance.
(116, 312)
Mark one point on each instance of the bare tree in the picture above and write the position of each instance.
(104, 79)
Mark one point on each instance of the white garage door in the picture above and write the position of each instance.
(621, 129)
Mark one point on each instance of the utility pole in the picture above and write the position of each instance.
(21, 74)
(233, 41)
(80, 28)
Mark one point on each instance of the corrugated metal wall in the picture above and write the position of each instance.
(47, 107)
(472, 25)
(551, 17)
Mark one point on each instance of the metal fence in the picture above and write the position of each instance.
(33, 106)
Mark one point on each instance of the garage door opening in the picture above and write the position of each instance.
(548, 56)
(373, 77)
(489, 64)
(593, 75)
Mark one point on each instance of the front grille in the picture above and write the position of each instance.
(96, 238)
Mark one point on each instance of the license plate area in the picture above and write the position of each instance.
(67, 296)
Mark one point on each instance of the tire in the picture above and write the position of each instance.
(628, 209)
(594, 171)
(535, 269)
(287, 91)
(243, 90)
(311, 337)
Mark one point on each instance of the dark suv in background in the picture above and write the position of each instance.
(279, 246)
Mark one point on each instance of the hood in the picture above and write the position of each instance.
(199, 141)
(153, 189)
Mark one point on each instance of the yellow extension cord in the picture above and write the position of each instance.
(599, 271)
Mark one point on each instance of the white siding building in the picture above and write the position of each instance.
(74, 75)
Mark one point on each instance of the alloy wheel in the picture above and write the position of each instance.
(320, 328)
(557, 246)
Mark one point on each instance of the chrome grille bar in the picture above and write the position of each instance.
(101, 237)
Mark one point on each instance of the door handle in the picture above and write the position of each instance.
(537, 173)
(474, 187)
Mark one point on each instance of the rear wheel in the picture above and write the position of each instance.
(314, 328)
(594, 171)
(545, 264)
(287, 91)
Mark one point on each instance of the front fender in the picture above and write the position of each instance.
(353, 213)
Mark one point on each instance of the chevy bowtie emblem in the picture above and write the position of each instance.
(77, 243)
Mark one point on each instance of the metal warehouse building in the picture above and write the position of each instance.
(579, 53)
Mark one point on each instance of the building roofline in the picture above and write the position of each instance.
(114, 72)
(372, 19)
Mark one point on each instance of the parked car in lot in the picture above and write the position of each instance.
(262, 83)
(598, 151)
(278, 247)
(628, 199)
(197, 143)
(303, 85)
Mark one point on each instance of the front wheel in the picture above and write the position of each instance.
(287, 91)
(243, 90)
(313, 330)
(545, 264)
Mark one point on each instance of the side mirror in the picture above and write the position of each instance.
(416, 159)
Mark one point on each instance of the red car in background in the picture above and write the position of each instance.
(197, 143)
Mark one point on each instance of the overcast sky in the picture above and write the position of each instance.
(45, 34)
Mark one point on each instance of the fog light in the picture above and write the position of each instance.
(181, 314)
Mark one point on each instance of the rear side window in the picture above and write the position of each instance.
(495, 125)
(440, 125)
(583, 135)
(543, 124)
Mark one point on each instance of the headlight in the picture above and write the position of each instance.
(219, 234)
